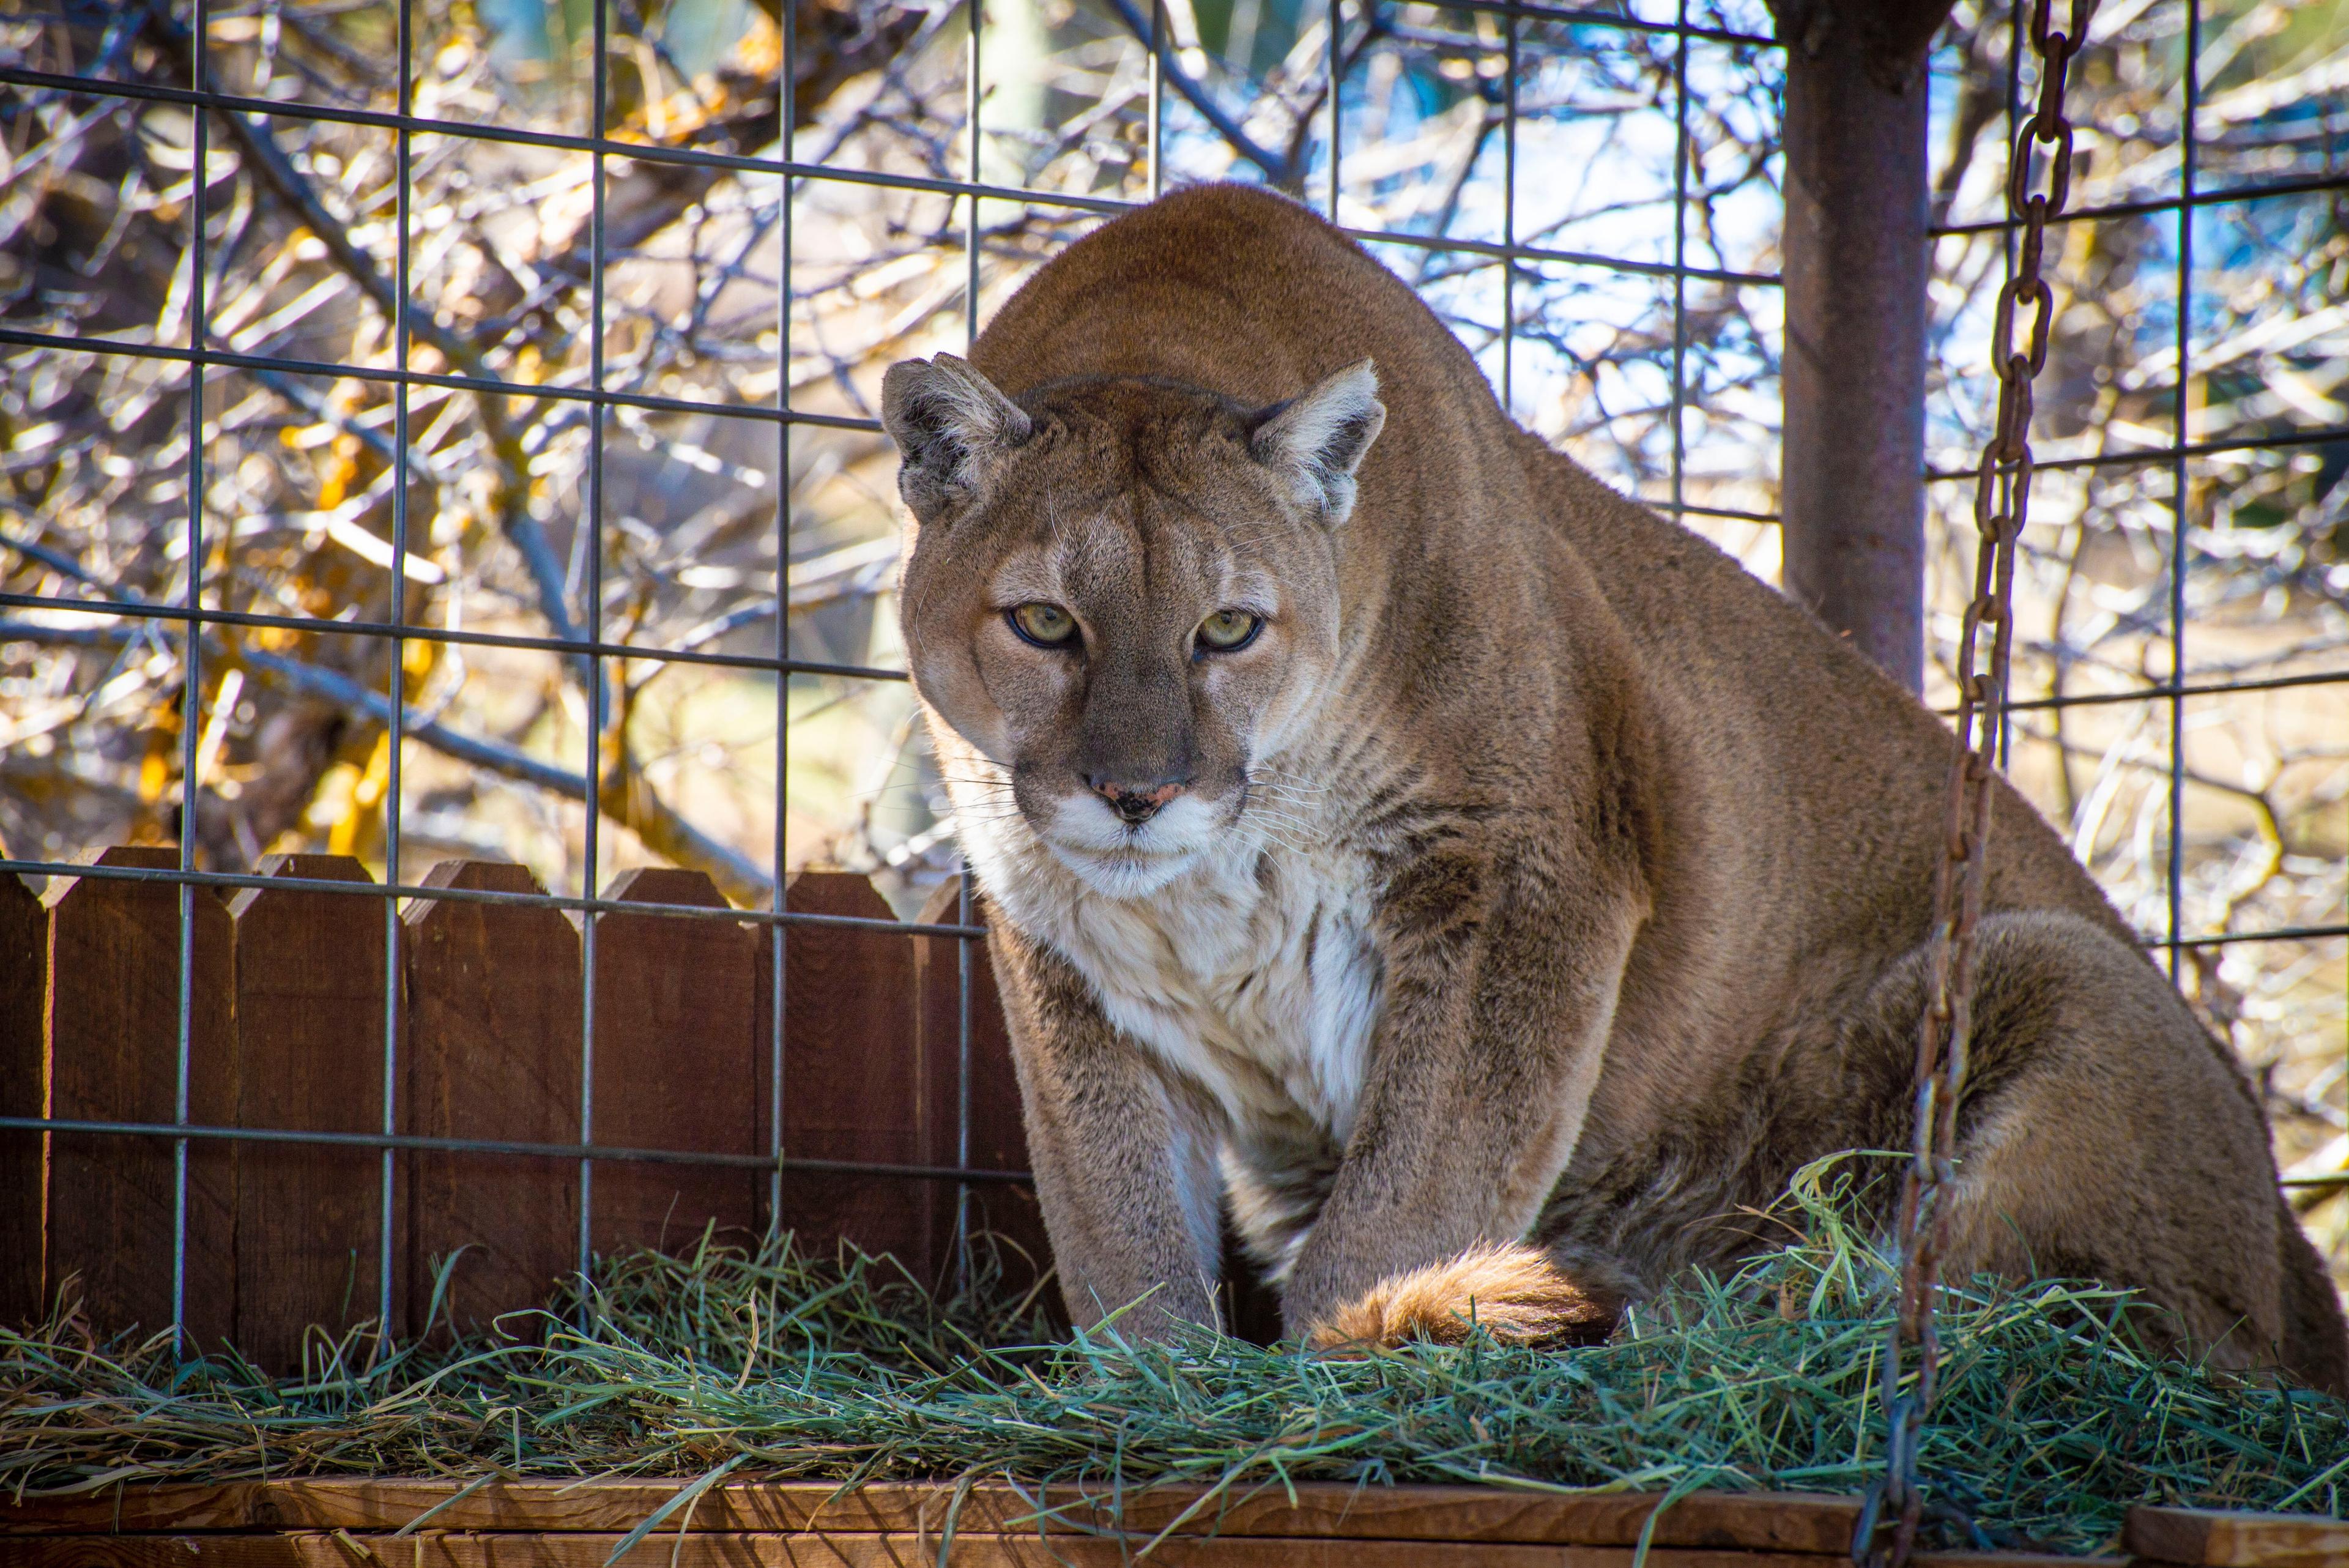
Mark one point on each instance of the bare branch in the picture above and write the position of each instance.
(1276, 167)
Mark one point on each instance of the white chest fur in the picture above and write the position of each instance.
(1252, 974)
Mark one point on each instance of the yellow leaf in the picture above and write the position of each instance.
(332, 802)
(354, 832)
(760, 50)
(334, 475)
(377, 780)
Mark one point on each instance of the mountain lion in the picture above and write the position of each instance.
(1483, 888)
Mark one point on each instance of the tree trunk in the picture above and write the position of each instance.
(1857, 259)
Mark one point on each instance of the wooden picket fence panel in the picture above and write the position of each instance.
(287, 1032)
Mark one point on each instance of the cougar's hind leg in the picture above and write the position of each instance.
(2315, 1337)
(2105, 1135)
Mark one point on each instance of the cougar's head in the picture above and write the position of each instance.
(1122, 596)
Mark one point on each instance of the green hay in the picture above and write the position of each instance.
(2051, 1419)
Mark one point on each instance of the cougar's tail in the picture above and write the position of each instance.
(1514, 1291)
(2315, 1337)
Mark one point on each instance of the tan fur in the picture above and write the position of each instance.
(1535, 875)
(1510, 1290)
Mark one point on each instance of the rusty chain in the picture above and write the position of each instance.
(1895, 1506)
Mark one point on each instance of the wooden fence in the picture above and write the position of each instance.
(287, 1032)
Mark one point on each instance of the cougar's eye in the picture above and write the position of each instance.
(1228, 631)
(1046, 625)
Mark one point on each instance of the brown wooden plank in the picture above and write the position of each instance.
(1788, 1522)
(853, 1075)
(998, 1138)
(113, 1023)
(494, 1006)
(310, 1054)
(437, 1548)
(23, 1092)
(2208, 1538)
(673, 1067)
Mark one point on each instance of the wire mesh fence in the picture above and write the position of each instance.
(2182, 636)
(438, 430)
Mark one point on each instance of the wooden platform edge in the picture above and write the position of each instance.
(1807, 1525)
(2208, 1538)
(1788, 1521)
(857, 1549)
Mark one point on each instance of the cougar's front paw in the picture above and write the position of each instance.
(1512, 1292)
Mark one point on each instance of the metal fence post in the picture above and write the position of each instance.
(1856, 260)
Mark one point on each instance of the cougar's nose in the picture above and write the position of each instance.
(1136, 801)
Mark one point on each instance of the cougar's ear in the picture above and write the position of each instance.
(1315, 442)
(950, 424)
